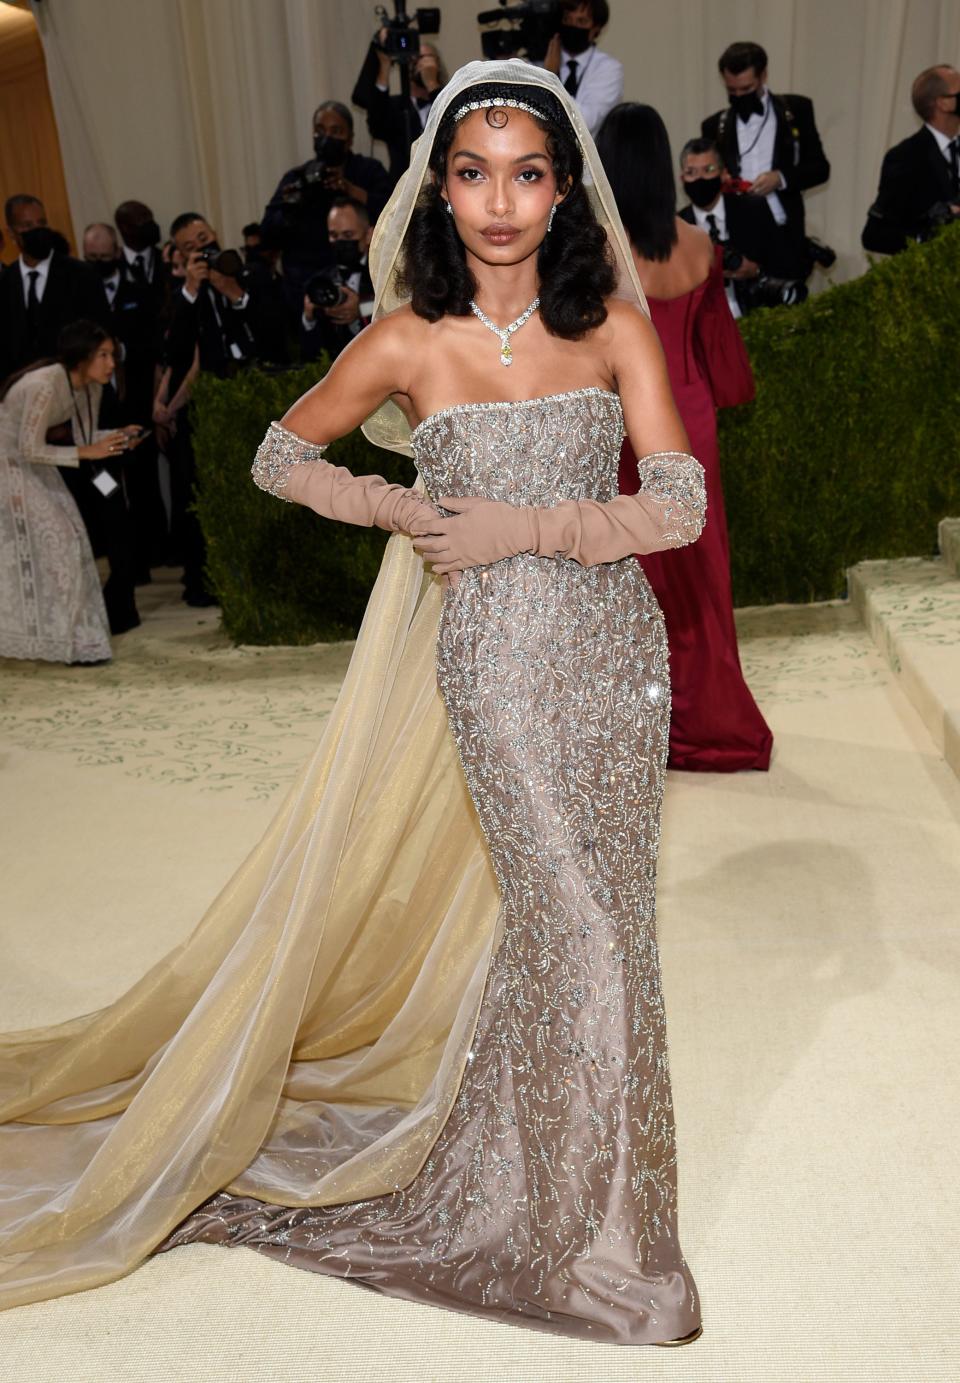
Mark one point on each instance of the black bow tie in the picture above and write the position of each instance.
(747, 106)
(423, 101)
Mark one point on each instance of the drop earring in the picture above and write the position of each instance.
(553, 212)
(449, 207)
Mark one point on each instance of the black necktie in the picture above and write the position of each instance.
(571, 83)
(712, 223)
(953, 149)
(33, 302)
(139, 272)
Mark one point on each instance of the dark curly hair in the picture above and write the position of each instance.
(574, 262)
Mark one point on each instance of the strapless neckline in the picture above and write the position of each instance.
(586, 391)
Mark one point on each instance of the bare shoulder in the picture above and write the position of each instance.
(696, 243)
(394, 340)
(630, 329)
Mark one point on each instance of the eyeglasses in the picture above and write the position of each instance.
(709, 170)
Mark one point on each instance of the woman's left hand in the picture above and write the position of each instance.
(481, 531)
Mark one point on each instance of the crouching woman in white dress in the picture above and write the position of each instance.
(51, 606)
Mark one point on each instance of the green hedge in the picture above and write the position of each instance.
(848, 452)
(282, 573)
(850, 448)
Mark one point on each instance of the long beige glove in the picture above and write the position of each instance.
(293, 469)
(668, 511)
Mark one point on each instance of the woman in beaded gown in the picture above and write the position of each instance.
(525, 1171)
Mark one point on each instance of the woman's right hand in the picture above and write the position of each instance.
(110, 446)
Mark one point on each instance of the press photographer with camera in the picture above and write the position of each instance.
(338, 302)
(764, 264)
(223, 319)
(295, 219)
(920, 179)
(397, 120)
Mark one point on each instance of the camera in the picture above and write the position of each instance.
(325, 288)
(532, 26)
(402, 43)
(227, 262)
(819, 253)
(938, 215)
(765, 291)
(732, 260)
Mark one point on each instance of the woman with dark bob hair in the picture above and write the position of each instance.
(420, 1039)
(51, 605)
(716, 726)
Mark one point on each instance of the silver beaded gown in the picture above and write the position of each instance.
(550, 1196)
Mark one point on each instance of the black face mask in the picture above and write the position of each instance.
(106, 268)
(745, 106)
(573, 39)
(40, 241)
(143, 237)
(703, 191)
(347, 253)
(329, 149)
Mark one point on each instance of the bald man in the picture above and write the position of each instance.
(920, 177)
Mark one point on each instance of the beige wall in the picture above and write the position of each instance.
(202, 104)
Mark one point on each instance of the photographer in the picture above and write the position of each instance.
(222, 320)
(387, 116)
(220, 309)
(763, 263)
(339, 299)
(295, 220)
(593, 78)
(920, 179)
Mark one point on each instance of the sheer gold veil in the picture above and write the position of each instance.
(305, 1043)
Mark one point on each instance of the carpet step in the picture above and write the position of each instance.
(911, 608)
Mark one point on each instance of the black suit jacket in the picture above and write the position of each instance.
(752, 230)
(136, 312)
(797, 150)
(386, 115)
(300, 230)
(914, 177)
(213, 324)
(72, 293)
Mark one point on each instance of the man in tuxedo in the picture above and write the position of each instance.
(133, 279)
(920, 177)
(42, 291)
(593, 78)
(388, 118)
(331, 328)
(295, 219)
(769, 141)
(227, 324)
(743, 224)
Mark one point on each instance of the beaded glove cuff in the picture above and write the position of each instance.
(278, 451)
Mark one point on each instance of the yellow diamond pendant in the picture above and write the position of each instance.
(506, 354)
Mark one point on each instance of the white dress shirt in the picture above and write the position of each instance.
(719, 213)
(42, 270)
(756, 140)
(148, 256)
(943, 142)
(599, 83)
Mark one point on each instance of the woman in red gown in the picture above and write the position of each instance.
(716, 725)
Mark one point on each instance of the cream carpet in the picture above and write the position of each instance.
(809, 933)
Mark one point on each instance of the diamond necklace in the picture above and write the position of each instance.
(506, 354)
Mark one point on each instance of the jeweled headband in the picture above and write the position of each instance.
(487, 95)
